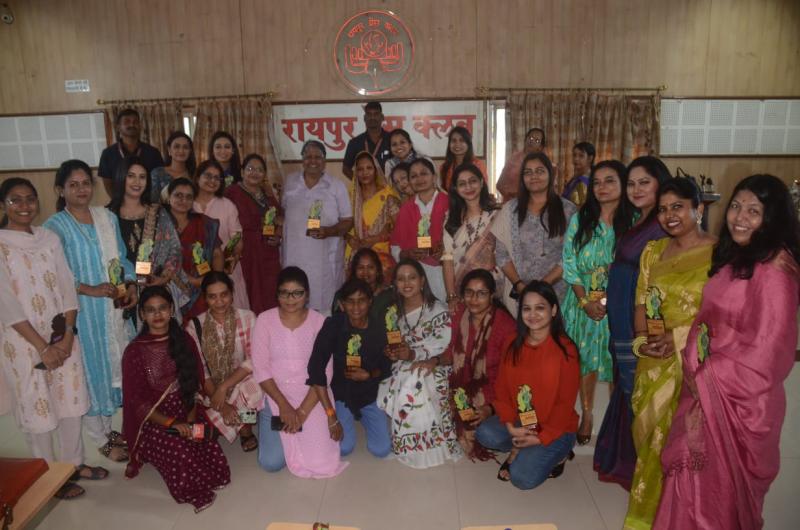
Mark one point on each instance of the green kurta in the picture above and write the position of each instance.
(591, 336)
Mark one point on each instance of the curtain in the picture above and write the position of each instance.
(159, 119)
(620, 126)
(248, 119)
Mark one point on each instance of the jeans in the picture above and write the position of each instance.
(533, 464)
(375, 422)
(270, 448)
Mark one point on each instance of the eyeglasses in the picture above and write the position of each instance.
(292, 295)
(480, 293)
(254, 169)
(150, 310)
(533, 140)
(184, 196)
(468, 182)
(30, 200)
(539, 172)
(212, 176)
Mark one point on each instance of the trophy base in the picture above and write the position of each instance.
(655, 327)
(353, 361)
(467, 414)
(526, 419)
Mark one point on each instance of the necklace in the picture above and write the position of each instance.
(419, 318)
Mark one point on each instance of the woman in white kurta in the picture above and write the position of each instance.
(416, 396)
(37, 285)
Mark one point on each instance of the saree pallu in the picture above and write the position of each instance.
(615, 454)
(472, 247)
(374, 216)
(723, 450)
(657, 381)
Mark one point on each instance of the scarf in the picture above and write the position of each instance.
(219, 354)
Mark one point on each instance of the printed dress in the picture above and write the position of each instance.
(423, 433)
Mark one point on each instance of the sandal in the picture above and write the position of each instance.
(95, 473)
(120, 453)
(580, 437)
(249, 443)
(116, 439)
(69, 491)
(503, 474)
(559, 469)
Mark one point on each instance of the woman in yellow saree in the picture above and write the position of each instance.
(668, 293)
(375, 207)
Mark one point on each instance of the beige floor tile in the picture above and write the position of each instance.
(610, 499)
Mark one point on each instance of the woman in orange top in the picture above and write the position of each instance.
(459, 151)
(535, 392)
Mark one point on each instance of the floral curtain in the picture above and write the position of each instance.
(621, 126)
(248, 119)
(159, 119)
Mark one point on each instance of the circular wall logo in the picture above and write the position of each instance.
(373, 52)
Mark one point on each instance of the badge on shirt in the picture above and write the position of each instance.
(353, 357)
(200, 264)
(424, 232)
(143, 264)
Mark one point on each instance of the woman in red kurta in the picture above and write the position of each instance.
(260, 259)
(535, 392)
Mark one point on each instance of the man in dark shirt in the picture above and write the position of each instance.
(375, 140)
(128, 129)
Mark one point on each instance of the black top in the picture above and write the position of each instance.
(332, 340)
(363, 143)
(114, 153)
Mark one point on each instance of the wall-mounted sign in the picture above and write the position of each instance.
(373, 52)
(334, 124)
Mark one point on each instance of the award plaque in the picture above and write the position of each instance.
(655, 321)
(314, 217)
(268, 228)
(353, 356)
(200, 264)
(465, 410)
(143, 264)
(424, 232)
(393, 335)
(527, 415)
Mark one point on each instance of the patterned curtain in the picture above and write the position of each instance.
(248, 120)
(620, 126)
(159, 119)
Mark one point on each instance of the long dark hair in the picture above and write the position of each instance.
(557, 328)
(428, 299)
(373, 256)
(235, 165)
(589, 214)
(204, 165)
(458, 206)
(779, 230)
(450, 158)
(179, 349)
(191, 162)
(121, 175)
(6, 188)
(63, 173)
(656, 169)
(554, 208)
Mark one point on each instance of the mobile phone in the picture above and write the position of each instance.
(276, 424)
(513, 294)
(248, 416)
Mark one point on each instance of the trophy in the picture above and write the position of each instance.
(597, 285)
(116, 276)
(314, 217)
(143, 264)
(200, 263)
(463, 406)
(392, 330)
(703, 343)
(353, 357)
(655, 321)
(424, 232)
(268, 227)
(232, 242)
(527, 414)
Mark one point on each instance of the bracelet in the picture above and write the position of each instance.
(583, 302)
(452, 296)
(637, 343)
(169, 422)
(331, 412)
(518, 281)
(334, 424)
(40, 352)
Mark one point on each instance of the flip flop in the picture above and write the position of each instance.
(69, 491)
(505, 466)
(247, 447)
(116, 439)
(96, 473)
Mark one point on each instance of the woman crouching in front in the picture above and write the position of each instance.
(535, 392)
(161, 373)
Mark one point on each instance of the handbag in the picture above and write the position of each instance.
(17, 475)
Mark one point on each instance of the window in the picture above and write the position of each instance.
(496, 153)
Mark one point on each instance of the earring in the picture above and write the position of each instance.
(699, 220)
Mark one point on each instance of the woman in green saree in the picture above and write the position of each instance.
(668, 293)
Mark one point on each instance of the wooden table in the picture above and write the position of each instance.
(40, 493)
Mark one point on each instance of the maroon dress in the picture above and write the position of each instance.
(191, 470)
(260, 261)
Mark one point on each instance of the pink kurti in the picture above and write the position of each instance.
(282, 354)
(36, 284)
(224, 211)
(722, 452)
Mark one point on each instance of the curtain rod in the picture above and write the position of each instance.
(486, 90)
(271, 95)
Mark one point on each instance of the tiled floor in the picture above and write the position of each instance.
(373, 495)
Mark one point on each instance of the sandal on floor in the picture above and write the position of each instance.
(584, 439)
(69, 491)
(504, 467)
(559, 469)
(120, 452)
(95, 473)
(116, 439)
(249, 443)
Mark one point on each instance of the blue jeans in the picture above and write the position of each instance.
(270, 448)
(533, 464)
(375, 422)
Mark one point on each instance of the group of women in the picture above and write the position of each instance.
(459, 328)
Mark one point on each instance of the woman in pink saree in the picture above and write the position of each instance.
(722, 452)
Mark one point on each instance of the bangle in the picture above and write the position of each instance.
(334, 424)
(452, 296)
(583, 302)
(330, 412)
(637, 343)
(169, 422)
(518, 281)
